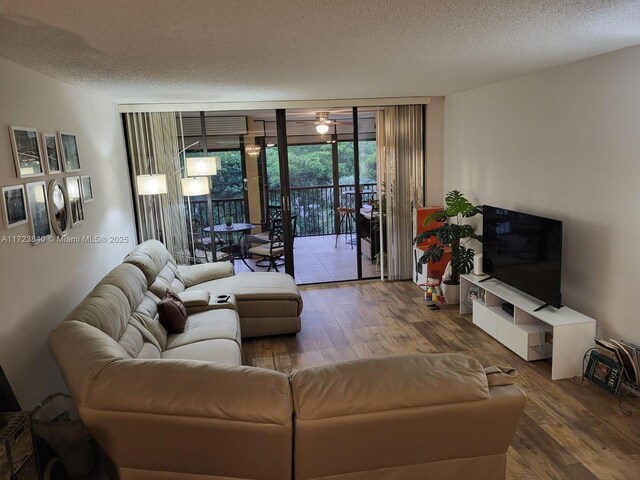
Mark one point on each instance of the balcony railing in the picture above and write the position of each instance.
(314, 206)
(230, 207)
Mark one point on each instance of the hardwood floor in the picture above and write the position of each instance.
(568, 431)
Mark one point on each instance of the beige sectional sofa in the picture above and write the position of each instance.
(181, 406)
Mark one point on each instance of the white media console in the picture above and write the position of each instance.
(562, 334)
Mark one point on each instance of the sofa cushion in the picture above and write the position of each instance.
(220, 350)
(207, 325)
(173, 313)
(195, 274)
(106, 308)
(151, 257)
(387, 383)
(130, 280)
(147, 315)
(168, 278)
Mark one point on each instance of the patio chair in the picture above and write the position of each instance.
(274, 212)
(202, 244)
(273, 251)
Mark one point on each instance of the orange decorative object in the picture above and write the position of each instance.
(421, 215)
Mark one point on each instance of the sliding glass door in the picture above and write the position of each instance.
(307, 176)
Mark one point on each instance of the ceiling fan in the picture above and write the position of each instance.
(322, 122)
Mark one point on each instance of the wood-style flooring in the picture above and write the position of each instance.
(569, 430)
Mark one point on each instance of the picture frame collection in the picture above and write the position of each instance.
(49, 209)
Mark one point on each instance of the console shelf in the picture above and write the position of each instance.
(560, 334)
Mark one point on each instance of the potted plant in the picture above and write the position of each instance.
(455, 234)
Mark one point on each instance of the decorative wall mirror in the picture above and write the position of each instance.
(59, 207)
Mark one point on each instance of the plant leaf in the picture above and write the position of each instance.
(425, 235)
(439, 216)
(433, 254)
(477, 210)
(466, 231)
(457, 204)
(462, 259)
(447, 234)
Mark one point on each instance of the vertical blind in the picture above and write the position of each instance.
(153, 149)
(401, 179)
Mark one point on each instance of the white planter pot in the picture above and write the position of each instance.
(451, 293)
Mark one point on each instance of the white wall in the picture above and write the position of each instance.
(40, 284)
(564, 143)
(435, 152)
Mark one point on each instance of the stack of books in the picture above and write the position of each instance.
(613, 361)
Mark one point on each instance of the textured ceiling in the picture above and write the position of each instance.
(139, 51)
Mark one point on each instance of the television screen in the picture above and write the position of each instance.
(524, 251)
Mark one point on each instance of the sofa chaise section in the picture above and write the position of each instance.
(269, 303)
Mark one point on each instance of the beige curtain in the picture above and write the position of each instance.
(153, 148)
(399, 138)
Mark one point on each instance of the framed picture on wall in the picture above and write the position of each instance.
(74, 190)
(38, 211)
(58, 207)
(87, 188)
(69, 149)
(51, 152)
(26, 152)
(14, 206)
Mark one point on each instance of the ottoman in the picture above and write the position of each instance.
(269, 303)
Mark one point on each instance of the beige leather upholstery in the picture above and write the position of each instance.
(218, 350)
(207, 325)
(269, 303)
(197, 274)
(192, 418)
(181, 406)
(404, 417)
(195, 298)
(180, 403)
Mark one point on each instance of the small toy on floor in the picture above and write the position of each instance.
(433, 292)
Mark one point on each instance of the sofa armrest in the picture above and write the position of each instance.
(192, 419)
(195, 298)
(195, 274)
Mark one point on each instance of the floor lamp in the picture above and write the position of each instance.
(199, 171)
(193, 187)
(205, 167)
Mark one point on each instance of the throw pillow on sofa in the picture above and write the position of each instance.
(172, 312)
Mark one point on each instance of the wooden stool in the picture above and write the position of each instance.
(348, 219)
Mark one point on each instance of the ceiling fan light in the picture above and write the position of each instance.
(322, 128)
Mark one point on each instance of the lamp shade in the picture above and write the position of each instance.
(193, 186)
(202, 166)
(151, 184)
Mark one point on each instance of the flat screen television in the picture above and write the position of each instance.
(524, 251)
